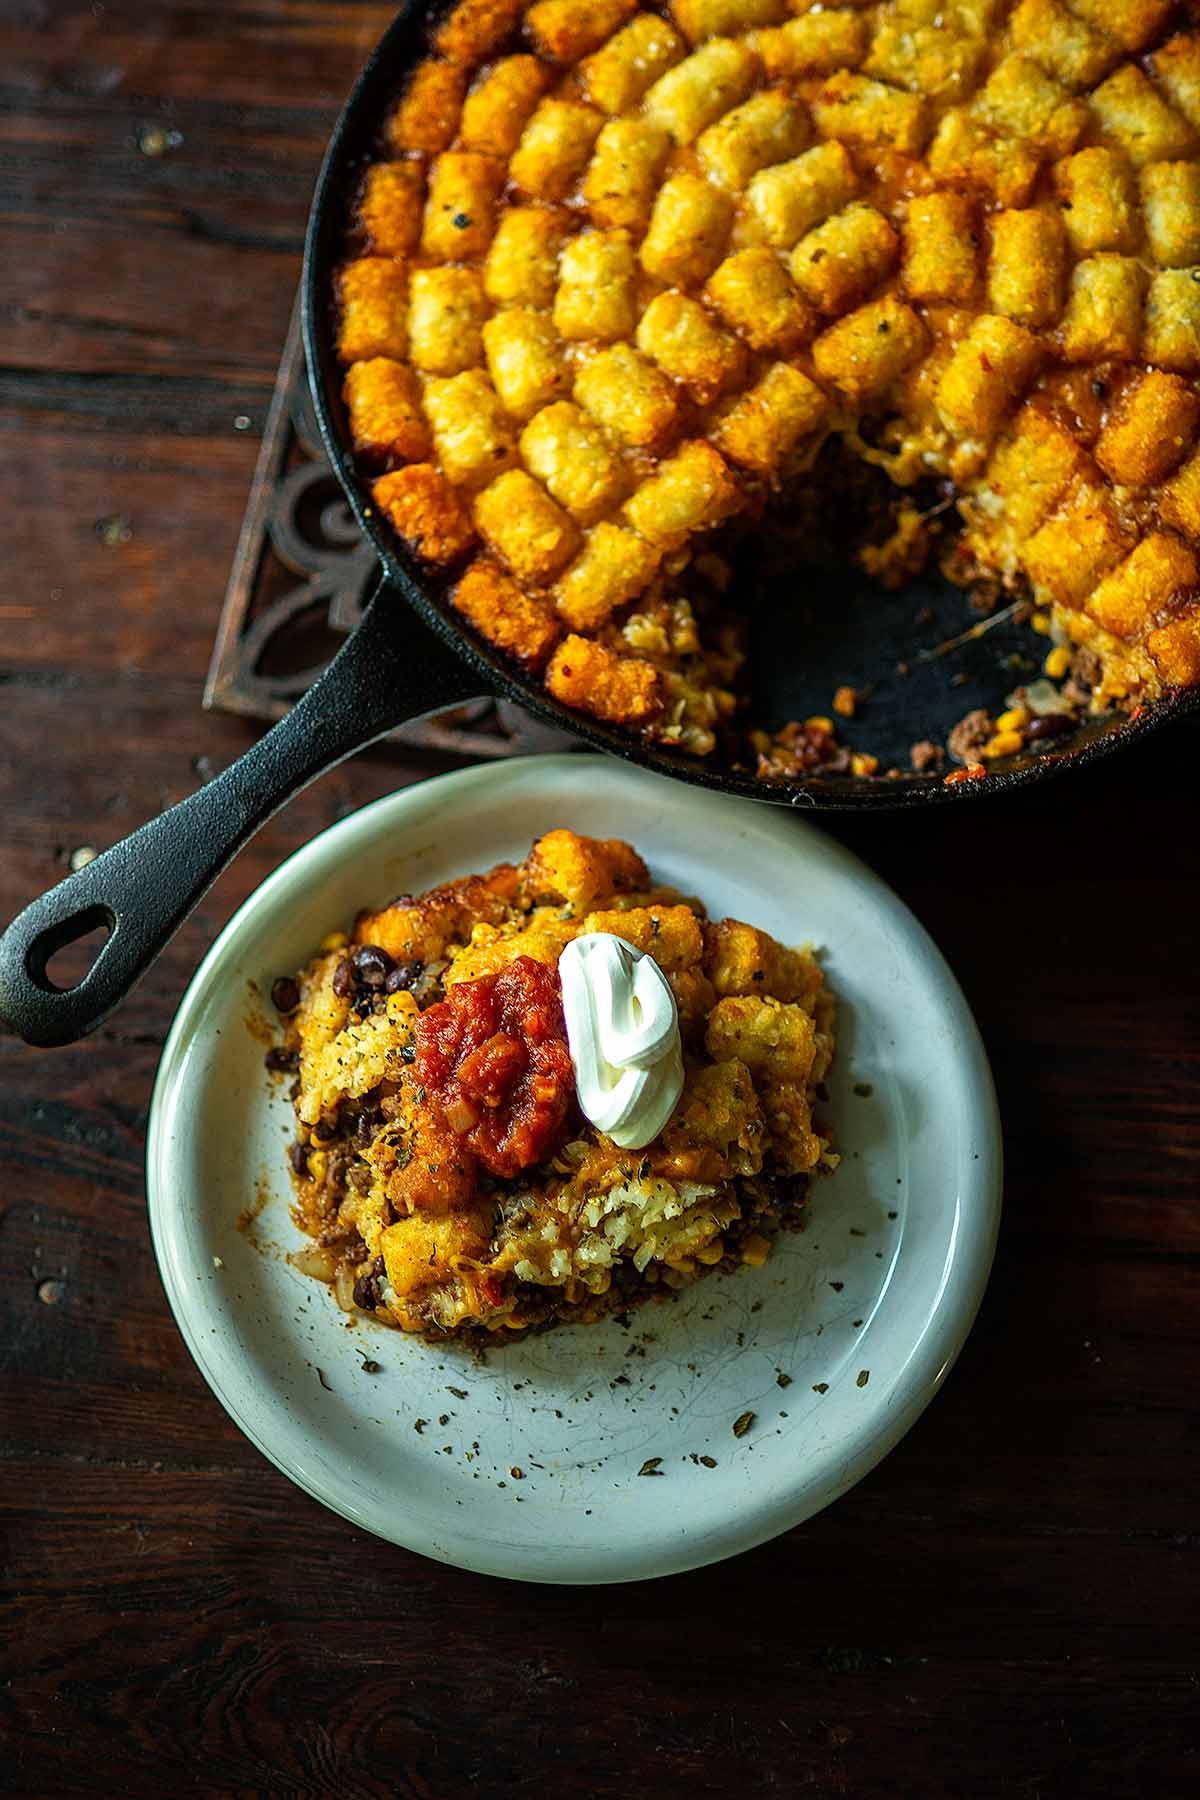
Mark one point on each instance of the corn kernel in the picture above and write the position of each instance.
(863, 764)
(402, 1005)
(334, 940)
(317, 1161)
(1040, 622)
(819, 722)
(1015, 719)
(845, 701)
(755, 1250)
(684, 1265)
(1058, 662)
(711, 1253)
(1005, 743)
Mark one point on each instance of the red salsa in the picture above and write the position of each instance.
(494, 1057)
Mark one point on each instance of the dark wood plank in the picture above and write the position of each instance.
(1007, 1605)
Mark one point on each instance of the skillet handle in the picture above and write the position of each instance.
(144, 887)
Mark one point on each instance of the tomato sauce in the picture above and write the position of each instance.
(493, 1056)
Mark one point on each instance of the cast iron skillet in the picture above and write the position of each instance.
(413, 655)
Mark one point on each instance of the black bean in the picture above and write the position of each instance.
(285, 995)
(298, 1157)
(343, 979)
(366, 1290)
(372, 966)
(324, 1132)
(1048, 725)
(404, 975)
(366, 1125)
(282, 1062)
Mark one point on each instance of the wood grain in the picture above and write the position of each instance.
(1006, 1606)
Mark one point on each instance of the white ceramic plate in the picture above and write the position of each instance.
(859, 1317)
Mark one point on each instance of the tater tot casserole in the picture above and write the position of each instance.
(443, 1168)
(620, 275)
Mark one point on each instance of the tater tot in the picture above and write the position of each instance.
(1103, 316)
(1150, 430)
(460, 213)
(627, 396)
(1126, 601)
(700, 19)
(522, 264)
(986, 375)
(1098, 200)
(1027, 266)
(475, 28)
(839, 262)
(390, 209)
(383, 400)
(1175, 650)
(692, 491)
(622, 689)
(372, 309)
(614, 567)
(767, 128)
(1179, 501)
(622, 177)
(1078, 544)
(754, 294)
(526, 528)
(495, 111)
(427, 116)
(565, 30)
(1019, 100)
(864, 353)
(941, 247)
(514, 621)
(446, 312)
(701, 88)
(1171, 208)
(617, 76)
(554, 148)
(688, 231)
(765, 425)
(966, 154)
(596, 297)
(784, 202)
(870, 114)
(569, 455)
(426, 511)
(1171, 323)
(1177, 67)
(1133, 114)
(682, 338)
(472, 433)
(525, 360)
(817, 44)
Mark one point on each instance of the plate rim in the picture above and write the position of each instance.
(946, 1327)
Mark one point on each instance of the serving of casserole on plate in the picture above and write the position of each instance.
(445, 1165)
(607, 1453)
(621, 283)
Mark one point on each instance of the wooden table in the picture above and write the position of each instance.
(1007, 1605)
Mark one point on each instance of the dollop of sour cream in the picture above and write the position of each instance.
(623, 1034)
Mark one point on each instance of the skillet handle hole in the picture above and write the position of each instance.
(64, 957)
